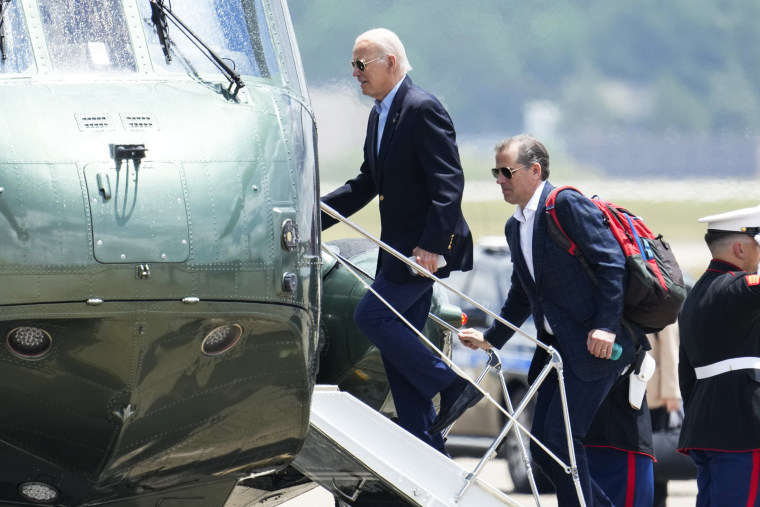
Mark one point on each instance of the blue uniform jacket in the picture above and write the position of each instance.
(563, 291)
(419, 180)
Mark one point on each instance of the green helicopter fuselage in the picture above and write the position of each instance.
(159, 247)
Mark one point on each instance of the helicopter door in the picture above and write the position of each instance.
(139, 213)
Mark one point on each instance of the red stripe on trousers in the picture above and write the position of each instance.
(754, 479)
(631, 489)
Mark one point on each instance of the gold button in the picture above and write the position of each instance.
(382, 197)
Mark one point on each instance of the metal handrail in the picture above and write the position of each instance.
(512, 416)
(327, 209)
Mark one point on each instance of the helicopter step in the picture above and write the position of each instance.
(352, 450)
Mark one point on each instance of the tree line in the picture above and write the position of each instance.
(682, 66)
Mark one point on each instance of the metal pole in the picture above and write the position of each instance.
(511, 422)
(327, 209)
(518, 434)
(570, 446)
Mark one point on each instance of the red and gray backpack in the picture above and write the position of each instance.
(655, 290)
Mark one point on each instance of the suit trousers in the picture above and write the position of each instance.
(583, 400)
(415, 373)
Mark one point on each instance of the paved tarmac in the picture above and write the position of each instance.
(680, 493)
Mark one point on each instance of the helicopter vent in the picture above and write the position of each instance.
(94, 122)
(139, 122)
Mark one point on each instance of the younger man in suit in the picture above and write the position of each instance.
(578, 317)
(411, 162)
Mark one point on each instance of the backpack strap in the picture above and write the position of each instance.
(558, 234)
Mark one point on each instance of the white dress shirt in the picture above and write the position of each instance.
(527, 217)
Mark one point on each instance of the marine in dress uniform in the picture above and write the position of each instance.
(719, 364)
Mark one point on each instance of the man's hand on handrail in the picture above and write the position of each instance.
(473, 339)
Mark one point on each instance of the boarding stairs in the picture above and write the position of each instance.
(351, 448)
(372, 453)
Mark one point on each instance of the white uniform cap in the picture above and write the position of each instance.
(741, 220)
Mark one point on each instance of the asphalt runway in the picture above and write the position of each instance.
(680, 493)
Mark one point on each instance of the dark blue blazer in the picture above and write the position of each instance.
(563, 292)
(419, 180)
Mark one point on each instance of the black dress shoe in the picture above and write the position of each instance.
(469, 396)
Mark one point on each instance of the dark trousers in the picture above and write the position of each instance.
(660, 421)
(625, 476)
(415, 373)
(583, 400)
(726, 479)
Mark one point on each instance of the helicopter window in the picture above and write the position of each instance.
(236, 30)
(87, 35)
(16, 54)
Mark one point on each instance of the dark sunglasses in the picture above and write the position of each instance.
(362, 65)
(506, 171)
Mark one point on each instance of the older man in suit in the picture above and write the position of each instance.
(411, 162)
(580, 318)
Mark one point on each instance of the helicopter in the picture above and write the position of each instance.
(161, 266)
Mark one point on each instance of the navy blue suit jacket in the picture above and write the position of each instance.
(419, 180)
(563, 292)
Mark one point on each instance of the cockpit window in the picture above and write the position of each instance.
(16, 55)
(87, 35)
(235, 30)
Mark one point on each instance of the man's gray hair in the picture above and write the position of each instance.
(529, 151)
(389, 43)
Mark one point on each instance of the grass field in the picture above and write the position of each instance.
(676, 221)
